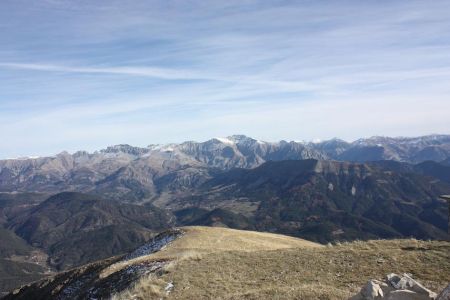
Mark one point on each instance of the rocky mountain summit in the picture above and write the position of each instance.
(133, 173)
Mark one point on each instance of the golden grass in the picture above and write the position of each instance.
(216, 239)
(218, 263)
(198, 241)
(148, 287)
(336, 272)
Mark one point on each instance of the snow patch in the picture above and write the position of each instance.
(330, 186)
(155, 146)
(23, 158)
(158, 243)
(225, 140)
(75, 287)
(303, 142)
(167, 149)
(161, 148)
(169, 288)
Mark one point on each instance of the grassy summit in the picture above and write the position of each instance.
(219, 263)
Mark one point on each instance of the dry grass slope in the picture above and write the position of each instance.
(216, 239)
(198, 241)
(217, 263)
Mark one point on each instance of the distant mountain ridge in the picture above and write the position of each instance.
(124, 171)
(70, 209)
(408, 149)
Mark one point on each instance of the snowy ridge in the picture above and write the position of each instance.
(159, 242)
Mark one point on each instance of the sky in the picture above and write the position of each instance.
(82, 75)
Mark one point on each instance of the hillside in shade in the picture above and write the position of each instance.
(322, 201)
(67, 230)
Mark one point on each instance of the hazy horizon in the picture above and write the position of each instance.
(85, 75)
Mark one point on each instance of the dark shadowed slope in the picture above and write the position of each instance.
(325, 200)
(76, 228)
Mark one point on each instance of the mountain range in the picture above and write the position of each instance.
(63, 211)
(134, 174)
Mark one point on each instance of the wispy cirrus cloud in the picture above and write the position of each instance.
(87, 74)
(161, 73)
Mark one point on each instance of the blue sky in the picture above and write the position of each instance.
(87, 74)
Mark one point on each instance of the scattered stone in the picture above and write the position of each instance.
(396, 287)
(380, 260)
(405, 282)
(399, 283)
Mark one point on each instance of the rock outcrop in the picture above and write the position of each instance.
(397, 287)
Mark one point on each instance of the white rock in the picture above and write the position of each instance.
(371, 290)
(405, 282)
(398, 287)
(398, 282)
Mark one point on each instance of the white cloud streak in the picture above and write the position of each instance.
(86, 75)
(132, 71)
(164, 74)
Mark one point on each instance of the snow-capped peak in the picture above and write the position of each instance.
(23, 157)
(162, 147)
(303, 142)
(225, 140)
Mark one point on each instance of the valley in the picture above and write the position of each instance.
(62, 212)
